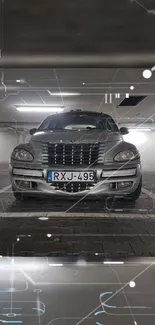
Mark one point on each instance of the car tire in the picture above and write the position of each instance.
(135, 195)
(18, 195)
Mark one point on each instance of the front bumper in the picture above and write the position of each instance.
(33, 182)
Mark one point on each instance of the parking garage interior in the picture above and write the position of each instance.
(122, 93)
(83, 260)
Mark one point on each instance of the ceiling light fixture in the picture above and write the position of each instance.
(49, 235)
(43, 218)
(132, 87)
(60, 94)
(147, 74)
(113, 262)
(140, 130)
(22, 81)
(127, 95)
(38, 108)
(83, 83)
(132, 284)
(81, 263)
(55, 264)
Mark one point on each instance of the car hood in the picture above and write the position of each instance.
(76, 136)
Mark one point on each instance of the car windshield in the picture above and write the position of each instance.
(79, 122)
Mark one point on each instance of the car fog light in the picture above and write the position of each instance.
(123, 184)
(24, 184)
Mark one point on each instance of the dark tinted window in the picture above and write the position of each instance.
(79, 122)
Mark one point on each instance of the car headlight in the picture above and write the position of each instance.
(127, 155)
(22, 154)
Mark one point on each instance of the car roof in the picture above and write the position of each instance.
(79, 112)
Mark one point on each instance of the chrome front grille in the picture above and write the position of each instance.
(72, 187)
(71, 154)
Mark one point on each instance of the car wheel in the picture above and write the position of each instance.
(18, 195)
(135, 195)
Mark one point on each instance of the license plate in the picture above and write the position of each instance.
(54, 176)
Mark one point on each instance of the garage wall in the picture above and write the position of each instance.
(8, 140)
(145, 142)
(24, 136)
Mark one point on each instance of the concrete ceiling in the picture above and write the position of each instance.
(91, 84)
(95, 27)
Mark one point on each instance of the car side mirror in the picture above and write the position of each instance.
(32, 131)
(124, 131)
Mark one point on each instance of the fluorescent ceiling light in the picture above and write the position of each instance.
(81, 263)
(37, 108)
(147, 74)
(28, 266)
(55, 264)
(127, 95)
(43, 218)
(140, 130)
(113, 262)
(60, 94)
(20, 80)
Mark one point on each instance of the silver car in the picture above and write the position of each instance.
(76, 154)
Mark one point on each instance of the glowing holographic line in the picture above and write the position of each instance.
(98, 323)
(108, 306)
(5, 291)
(105, 293)
(11, 321)
(139, 307)
(103, 304)
(99, 312)
(39, 309)
(13, 316)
